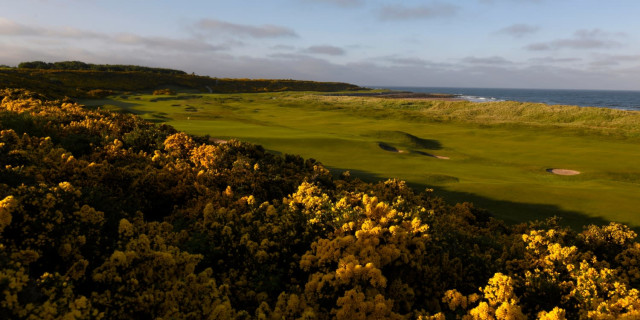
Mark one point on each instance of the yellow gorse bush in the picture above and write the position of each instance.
(104, 216)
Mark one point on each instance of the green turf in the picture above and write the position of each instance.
(498, 152)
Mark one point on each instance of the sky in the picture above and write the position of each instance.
(561, 44)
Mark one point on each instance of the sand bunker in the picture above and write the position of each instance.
(430, 155)
(563, 172)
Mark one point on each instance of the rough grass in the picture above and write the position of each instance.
(499, 152)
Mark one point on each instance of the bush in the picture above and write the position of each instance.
(169, 92)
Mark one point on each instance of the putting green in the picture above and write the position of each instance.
(495, 155)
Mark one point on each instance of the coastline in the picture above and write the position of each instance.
(611, 99)
(406, 95)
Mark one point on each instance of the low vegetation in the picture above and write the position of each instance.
(74, 81)
(79, 65)
(119, 215)
(497, 155)
(106, 216)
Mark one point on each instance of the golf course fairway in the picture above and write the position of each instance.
(500, 156)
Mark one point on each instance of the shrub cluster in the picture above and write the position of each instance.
(167, 91)
(105, 216)
(79, 82)
(79, 65)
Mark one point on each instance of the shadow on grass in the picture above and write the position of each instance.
(406, 139)
(509, 211)
(124, 107)
(170, 98)
(156, 120)
(387, 147)
(423, 143)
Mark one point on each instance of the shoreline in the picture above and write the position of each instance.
(405, 95)
(611, 99)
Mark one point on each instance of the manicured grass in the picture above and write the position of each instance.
(498, 152)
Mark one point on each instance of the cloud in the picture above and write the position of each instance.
(518, 30)
(166, 43)
(26, 43)
(326, 50)
(549, 60)
(615, 60)
(400, 12)
(409, 62)
(63, 39)
(283, 47)
(582, 40)
(514, 1)
(398, 71)
(538, 46)
(341, 3)
(290, 56)
(12, 28)
(495, 60)
(213, 26)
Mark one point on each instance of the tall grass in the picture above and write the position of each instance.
(603, 121)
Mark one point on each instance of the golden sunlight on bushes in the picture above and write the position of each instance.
(104, 216)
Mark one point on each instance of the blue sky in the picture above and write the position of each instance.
(575, 44)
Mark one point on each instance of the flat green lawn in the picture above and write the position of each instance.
(498, 153)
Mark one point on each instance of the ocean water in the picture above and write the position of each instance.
(625, 100)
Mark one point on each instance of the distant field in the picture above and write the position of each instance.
(495, 155)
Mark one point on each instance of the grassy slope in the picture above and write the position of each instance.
(498, 152)
(80, 83)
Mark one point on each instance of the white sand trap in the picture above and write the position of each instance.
(430, 155)
(563, 172)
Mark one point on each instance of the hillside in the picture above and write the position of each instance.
(56, 83)
(104, 215)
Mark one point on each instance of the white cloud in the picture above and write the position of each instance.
(409, 62)
(401, 12)
(494, 60)
(166, 43)
(518, 30)
(610, 61)
(12, 28)
(341, 3)
(283, 47)
(553, 60)
(399, 71)
(325, 50)
(52, 39)
(582, 39)
(213, 26)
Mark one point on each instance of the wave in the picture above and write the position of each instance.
(613, 99)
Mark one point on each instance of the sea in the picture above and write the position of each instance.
(615, 99)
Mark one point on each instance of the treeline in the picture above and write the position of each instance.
(57, 84)
(79, 65)
(105, 216)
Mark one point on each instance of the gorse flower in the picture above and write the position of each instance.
(105, 216)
